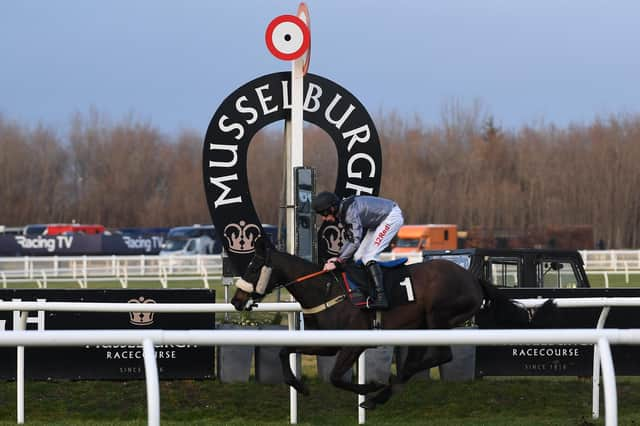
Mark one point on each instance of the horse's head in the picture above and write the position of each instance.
(254, 283)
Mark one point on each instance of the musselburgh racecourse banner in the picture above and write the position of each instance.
(253, 106)
(113, 362)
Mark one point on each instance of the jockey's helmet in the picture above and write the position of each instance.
(323, 203)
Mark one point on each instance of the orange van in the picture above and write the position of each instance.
(415, 238)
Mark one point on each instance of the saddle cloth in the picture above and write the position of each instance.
(397, 282)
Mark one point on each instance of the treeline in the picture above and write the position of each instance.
(466, 170)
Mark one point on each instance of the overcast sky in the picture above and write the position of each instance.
(173, 62)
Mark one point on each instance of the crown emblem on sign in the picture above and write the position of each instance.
(241, 236)
(141, 318)
(334, 237)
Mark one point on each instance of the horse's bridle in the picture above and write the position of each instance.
(258, 288)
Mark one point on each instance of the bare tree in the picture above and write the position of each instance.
(467, 170)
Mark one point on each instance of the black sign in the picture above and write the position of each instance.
(261, 102)
(564, 360)
(108, 361)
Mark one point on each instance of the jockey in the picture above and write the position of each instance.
(370, 224)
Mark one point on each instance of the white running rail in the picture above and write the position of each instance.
(84, 269)
(611, 260)
(600, 338)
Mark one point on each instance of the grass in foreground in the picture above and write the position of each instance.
(512, 401)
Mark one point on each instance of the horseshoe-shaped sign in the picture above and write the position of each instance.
(257, 104)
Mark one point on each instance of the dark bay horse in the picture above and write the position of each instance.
(446, 295)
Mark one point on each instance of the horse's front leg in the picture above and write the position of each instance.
(289, 377)
(344, 361)
(411, 365)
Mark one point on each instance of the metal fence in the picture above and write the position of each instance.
(84, 269)
(611, 260)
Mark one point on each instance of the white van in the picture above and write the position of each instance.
(195, 239)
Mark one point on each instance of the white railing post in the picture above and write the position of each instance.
(20, 324)
(153, 383)
(626, 272)
(164, 281)
(204, 274)
(595, 397)
(293, 363)
(609, 380)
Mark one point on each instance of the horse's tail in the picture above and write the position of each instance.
(501, 312)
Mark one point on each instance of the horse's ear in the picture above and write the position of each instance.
(263, 243)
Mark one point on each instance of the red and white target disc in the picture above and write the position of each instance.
(287, 37)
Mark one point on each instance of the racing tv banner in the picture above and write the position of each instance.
(78, 245)
(112, 362)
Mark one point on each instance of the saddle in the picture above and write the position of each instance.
(397, 282)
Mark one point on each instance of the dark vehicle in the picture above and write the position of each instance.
(542, 268)
(188, 240)
(546, 273)
(143, 232)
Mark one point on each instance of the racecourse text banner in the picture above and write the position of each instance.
(112, 362)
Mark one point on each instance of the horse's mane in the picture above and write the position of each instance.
(304, 263)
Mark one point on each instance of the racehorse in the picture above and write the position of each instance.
(445, 296)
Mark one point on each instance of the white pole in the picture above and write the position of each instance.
(20, 324)
(294, 155)
(294, 145)
(362, 377)
(153, 383)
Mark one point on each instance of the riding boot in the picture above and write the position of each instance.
(378, 300)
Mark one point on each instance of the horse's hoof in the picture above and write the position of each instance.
(368, 404)
(382, 396)
(370, 388)
(304, 390)
(300, 388)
